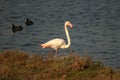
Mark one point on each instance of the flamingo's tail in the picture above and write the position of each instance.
(44, 45)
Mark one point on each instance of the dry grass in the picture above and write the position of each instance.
(20, 65)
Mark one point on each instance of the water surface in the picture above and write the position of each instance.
(96, 26)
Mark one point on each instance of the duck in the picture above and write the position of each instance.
(28, 22)
(16, 28)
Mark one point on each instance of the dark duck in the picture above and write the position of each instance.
(16, 28)
(28, 22)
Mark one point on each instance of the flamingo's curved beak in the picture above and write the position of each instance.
(71, 26)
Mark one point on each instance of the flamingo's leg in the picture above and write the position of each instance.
(56, 52)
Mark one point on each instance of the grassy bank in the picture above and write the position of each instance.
(20, 65)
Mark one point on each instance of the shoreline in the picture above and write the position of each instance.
(20, 65)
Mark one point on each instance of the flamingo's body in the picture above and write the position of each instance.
(57, 42)
(54, 43)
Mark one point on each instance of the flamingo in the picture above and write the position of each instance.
(58, 43)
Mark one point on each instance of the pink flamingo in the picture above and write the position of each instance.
(57, 42)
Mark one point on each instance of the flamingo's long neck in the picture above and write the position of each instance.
(68, 36)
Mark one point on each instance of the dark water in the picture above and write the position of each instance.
(96, 26)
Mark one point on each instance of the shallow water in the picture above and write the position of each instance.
(96, 26)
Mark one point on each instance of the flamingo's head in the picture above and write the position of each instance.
(67, 23)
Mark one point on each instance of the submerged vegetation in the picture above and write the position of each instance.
(20, 65)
